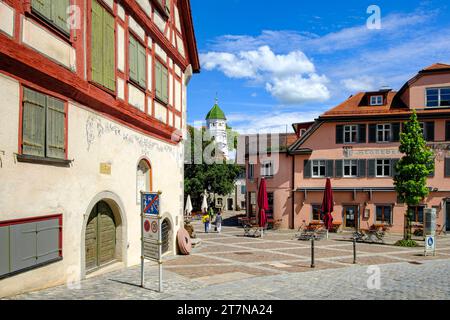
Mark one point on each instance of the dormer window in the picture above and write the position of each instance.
(376, 100)
(438, 97)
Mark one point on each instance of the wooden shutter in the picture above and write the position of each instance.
(362, 136)
(4, 251)
(339, 165)
(142, 68)
(329, 169)
(306, 169)
(394, 171)
(56, 128)
(59, 14)
(429, 131)
(33, 126)
(43, 8)
(47, 240)
(164, 84)
(97, 43)
(362, 167)
(158, 79)
(447, 167)
(396, 132)
(23, 245)
(371, 164)
(339, 134)
(447, 130)
(109, 66)
(372, 133)
(133, 57)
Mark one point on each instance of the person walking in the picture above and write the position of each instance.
(206, 220)
(219, 221)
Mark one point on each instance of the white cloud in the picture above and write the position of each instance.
(268, 122)
(290, 77)
(298, 89)
(363, 83)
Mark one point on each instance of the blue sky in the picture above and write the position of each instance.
(273, 63)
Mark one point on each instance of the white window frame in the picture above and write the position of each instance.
(385, 127)
(351, 163)
(439, 97)
(350, 129)
(384, 165)
(376, 100)
(267, 169)
(319, 164)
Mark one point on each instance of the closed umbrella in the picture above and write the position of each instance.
(327, 206)
(263, 204)
(204, 207)
(189, 208)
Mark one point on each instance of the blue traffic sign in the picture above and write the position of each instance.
(150, 203)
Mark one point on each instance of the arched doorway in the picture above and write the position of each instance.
(100, 237)
(166, 236)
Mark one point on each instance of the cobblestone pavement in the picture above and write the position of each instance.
(230, 266)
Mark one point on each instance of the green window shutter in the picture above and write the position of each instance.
(362, 133)
(306, 169)
(447, 167)
(97, 43)
(141, 55)
(362, 167)
(158, 79)
(330, 168)
(42, 7)
(59, 14)
(371, 164)
(133, 57)
(33, 125)
(396, 129)
(372, 133)
(109, 65)
(339, 168)
(56, 126)
(164, 84)
(339, 134)
(394, 171)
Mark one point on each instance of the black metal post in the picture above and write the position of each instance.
(312, 253)
(354, 250)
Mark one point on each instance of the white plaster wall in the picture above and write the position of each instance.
(136, 97)
(120, 48)
(177, 103)
(121, 88)
(29, 190)
(136, 28)
(43, 41)
(6, 19)
(160, 112)
(160, 52)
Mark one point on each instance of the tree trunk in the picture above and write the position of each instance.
(407, 229)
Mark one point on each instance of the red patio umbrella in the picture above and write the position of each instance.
(327, 206)
(263, 203)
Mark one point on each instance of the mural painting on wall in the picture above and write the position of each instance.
(97, 127)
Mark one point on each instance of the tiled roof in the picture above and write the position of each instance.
(437, 66)
(358, 105)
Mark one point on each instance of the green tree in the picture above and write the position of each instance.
(413, 169)
(218, 177)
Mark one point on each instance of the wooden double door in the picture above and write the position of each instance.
(100, 236)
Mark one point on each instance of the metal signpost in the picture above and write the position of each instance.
(151, 237)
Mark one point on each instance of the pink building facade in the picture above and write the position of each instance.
(356, 144)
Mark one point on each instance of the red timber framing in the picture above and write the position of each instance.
(30, 67)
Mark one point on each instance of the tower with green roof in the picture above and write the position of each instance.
(216, 124)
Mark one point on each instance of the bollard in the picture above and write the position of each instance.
(354, 250)
(312, 253)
